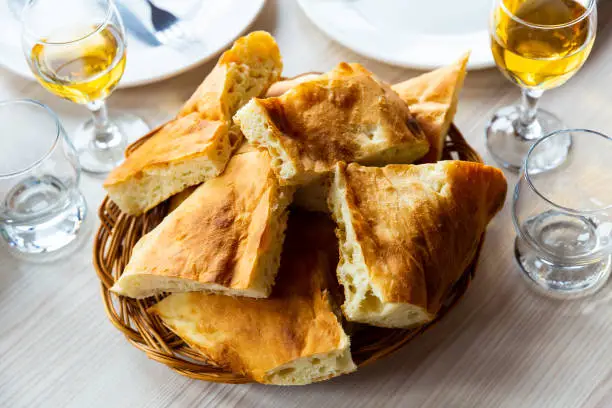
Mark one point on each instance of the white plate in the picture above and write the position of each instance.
(214, 23)
(422, 34)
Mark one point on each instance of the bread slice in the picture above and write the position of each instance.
(245, 71)
(433, 98)
(196, 145)
(344, 115)
(407, 233)
(292, 338)
(225, 237)
(184, 152)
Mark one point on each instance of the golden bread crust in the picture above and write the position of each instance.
(219, 234)
(282, 86)
(190, 137)
(433, 98)
(254, 337)
(418, 226)
(202, 129)
(253, 54)
(343, 115)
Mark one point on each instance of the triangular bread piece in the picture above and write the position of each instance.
(343, 115)
(225, 237)
(184, 152)
(432, 98)
(294, 337)
(244, 71)
(196, 145)
(407, 233)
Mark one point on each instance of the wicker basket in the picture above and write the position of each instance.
(119, 232)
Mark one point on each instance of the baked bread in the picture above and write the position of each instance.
(280, 87)
(184, 152)
(245, 71)
(196, 145)
(407, 233)
(433, 98)
(225, 237)
(344, 115)
(294, 337)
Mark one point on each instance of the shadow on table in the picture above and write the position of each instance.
(494, 339)
(430, 364)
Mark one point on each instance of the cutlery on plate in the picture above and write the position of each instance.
(169, 29)
(136, 27)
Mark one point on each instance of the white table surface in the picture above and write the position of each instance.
(503, 345)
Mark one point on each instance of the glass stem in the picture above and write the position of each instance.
(106, 135)
(527, 126)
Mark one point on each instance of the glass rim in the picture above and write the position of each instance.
(587, 12)
(58, 132)
(525, 171)
(40, 40)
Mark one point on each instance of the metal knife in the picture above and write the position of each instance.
(135, 26)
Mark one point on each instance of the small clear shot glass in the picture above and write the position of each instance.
(42, 212)
(563, 216)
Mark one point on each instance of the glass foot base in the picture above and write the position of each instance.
(50, 237)
(98, 158)
(559, 281)
(509, 149)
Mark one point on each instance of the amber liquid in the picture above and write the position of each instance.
(84, 71)
(538, 57)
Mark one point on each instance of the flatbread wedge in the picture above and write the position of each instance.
(294, 337)
(433, 98)
(407, 233)
(225, 237)
(198, 143)
(343, 115)
(245, 71)
(184, 152)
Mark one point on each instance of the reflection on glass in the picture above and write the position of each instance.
(80, 55)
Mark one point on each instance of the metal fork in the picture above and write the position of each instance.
(169, 29)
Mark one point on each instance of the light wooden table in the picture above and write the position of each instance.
(503, 345)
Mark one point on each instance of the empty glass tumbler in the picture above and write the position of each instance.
(563, 216)
(42, 212)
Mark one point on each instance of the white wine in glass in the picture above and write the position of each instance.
(538, 45)
(77, 50)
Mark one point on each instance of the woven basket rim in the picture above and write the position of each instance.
(119, 232)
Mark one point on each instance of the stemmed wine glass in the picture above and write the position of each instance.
(77, 50)
(538, 45)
